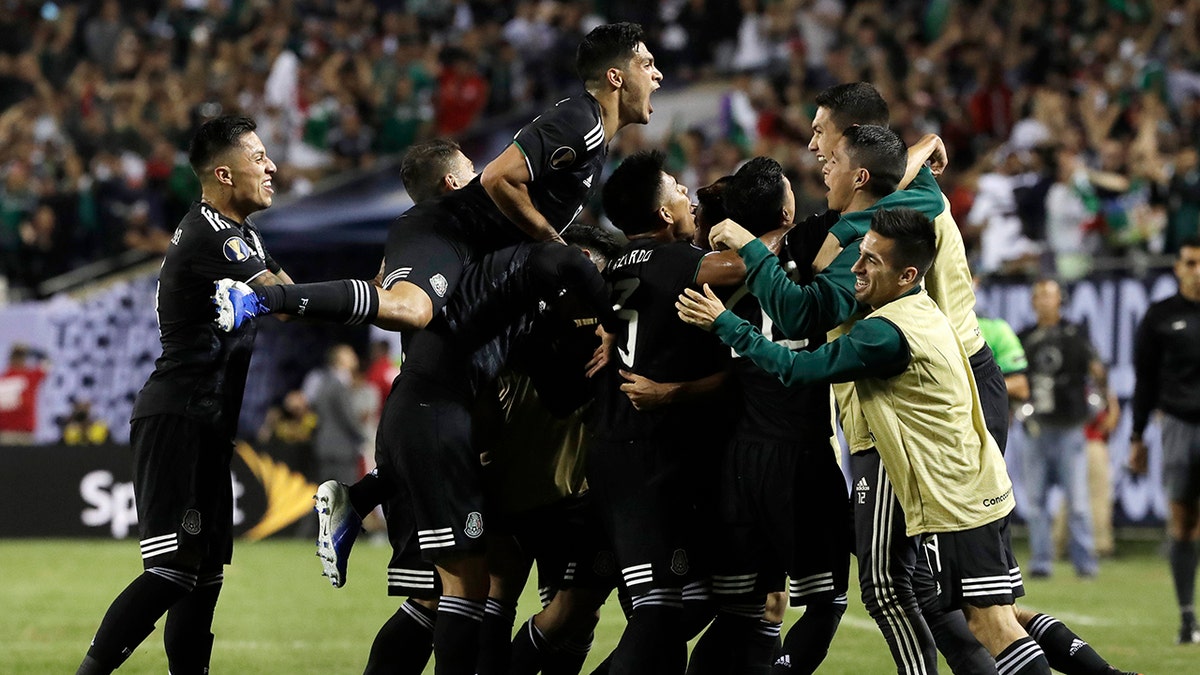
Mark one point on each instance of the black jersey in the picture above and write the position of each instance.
(497, 300)
(772, 410)
(653, 341)
(202, 370)
(1166, 362)
(564, 151)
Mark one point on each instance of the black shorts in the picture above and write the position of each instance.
(184, 492)
(566, 540)
(1181, 459)
(774, 518)
(408, 574)
(974, 567)
(993, 395)
(424, 439)
(645, 493)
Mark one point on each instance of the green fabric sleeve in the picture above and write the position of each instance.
(802, 309)
(873, 348)
(1005, 345)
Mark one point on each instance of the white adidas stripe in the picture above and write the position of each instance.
(906, 635)
(400, 274)
(417, 616)
(214, 220)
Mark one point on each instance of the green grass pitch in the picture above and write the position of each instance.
(278, 615)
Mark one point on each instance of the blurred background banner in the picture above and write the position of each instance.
(100, 349)
(87, 491)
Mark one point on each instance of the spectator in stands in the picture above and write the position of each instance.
(81, 427)
(291, 422)
(461, 93)
(19, 386)
(1183, 198)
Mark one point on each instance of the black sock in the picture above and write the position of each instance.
(1022, 657)
(699, 608)
(568, 658)
(604, 666)
(130, 618)
(756, 652)
(370, 491)
(187, 634)
(714, 651)
(807, 641)
(495, 637)
(1183, 571)
(1064, 650)
(350, 301)
(653, 642)
(529, 650)
(405, 642)
(963, 652)
(456, 635)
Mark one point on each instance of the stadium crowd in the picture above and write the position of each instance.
(1072, 126)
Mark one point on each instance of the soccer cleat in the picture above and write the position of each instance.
(337, 528)
(235, 303)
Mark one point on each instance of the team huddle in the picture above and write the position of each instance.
(653, 418)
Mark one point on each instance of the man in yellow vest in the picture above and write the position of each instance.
(912, 376)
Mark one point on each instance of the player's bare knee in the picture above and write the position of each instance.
(777, 604)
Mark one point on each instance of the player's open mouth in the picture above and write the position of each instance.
(860, 284)
(269, 188)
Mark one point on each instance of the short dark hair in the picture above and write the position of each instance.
(881, 152)
(634, 192)
(854, 103)
(756, 194)
(594, 237)
(1190, 242)
(425, 164)
(606, 46)
(913, 234)
(215, 137)
(710, 201)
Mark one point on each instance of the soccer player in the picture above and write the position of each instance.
(428, 170)
(862, 172)
(920, 402)
(646, 462)
(779, 477)
(1166, 361)
(535, 460)
(185, 417)
(427, 425)
(531, 192)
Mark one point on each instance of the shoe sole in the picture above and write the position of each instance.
(327, 499)
(225, 316)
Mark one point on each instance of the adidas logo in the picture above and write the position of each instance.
(587, 181)
(861, 485)
(785, 661)
(1076, 645)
